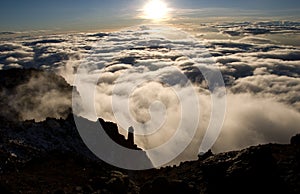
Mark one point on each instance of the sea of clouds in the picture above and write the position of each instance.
(150, 71)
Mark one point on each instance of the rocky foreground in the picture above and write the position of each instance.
(49, 157)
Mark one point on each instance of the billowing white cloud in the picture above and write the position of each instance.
(261, 74)
(252, 120)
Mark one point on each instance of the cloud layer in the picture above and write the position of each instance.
(261, 73)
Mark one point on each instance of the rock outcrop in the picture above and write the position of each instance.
(50, 157)
(29, 139)
(295, 140)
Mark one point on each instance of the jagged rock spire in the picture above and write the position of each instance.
(130, 137)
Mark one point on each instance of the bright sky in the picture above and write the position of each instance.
(59, 14)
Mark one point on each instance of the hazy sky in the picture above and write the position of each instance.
(52, 14)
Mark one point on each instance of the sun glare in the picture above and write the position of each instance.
(155, 10)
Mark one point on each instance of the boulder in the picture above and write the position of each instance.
(295, 140)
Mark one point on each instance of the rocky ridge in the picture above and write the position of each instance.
(50, 157)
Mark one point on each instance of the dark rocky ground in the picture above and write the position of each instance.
(268, 168)
(50, 157)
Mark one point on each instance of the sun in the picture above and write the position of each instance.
(155, 10)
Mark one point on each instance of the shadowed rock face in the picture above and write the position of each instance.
(270, 168)
(52, 154)
(27, 140)
(52, 151)
(41, 95)
(295, 140)
(112, 131)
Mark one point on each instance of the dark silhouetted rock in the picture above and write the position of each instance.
(118, 183)
(205, 155)
(130, 137)
(3, 190)
(162, 185)
(295, 140)
(59, 192)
